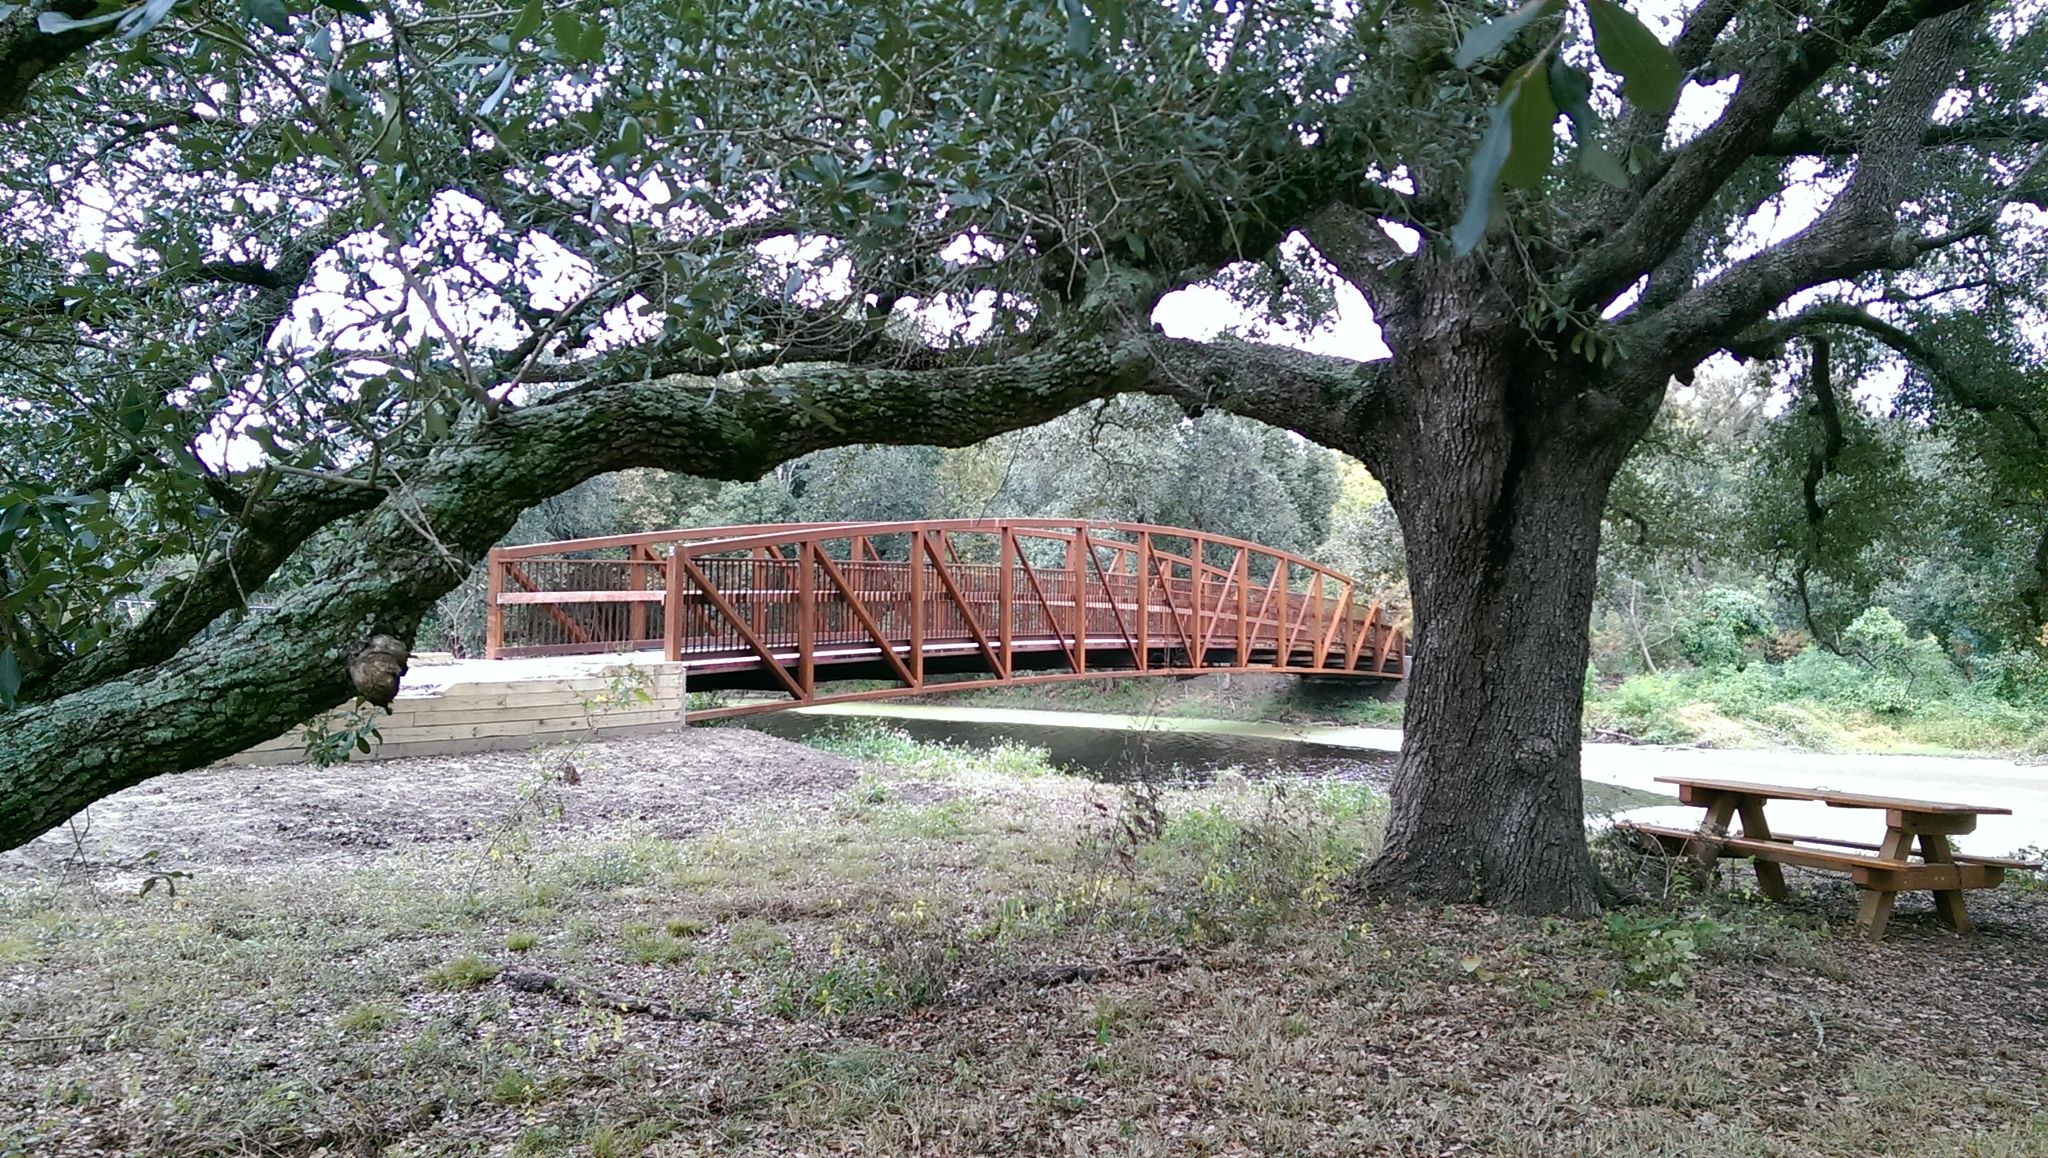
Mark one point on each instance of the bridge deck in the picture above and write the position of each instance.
(1007, 601)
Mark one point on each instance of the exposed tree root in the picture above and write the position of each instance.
(578, 993)
(1047, 976)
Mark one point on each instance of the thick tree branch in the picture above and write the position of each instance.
(1857, 232)
(1999, 130)
(1334, 401)
(1767, 341)
(275, 528)
(1351, 239)
(276, 669)
(1692, 177)
(272, 670)
(27, 52)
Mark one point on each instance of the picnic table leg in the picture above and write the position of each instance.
(1948, 903)
(1876, 910)
(1769, 876)
(1707, 849)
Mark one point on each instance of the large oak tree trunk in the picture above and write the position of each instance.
(1500, 475)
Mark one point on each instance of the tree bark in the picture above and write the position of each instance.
(1498, 461)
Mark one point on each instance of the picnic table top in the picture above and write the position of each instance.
(1835, 799)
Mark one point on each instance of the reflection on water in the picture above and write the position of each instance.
(1115, 755)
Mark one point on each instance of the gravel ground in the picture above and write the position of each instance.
(260, 819)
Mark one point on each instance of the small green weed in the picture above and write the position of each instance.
(368, 1017)
(465, 972)
(514, 1087)
(651, 946)
(1660, 951)
(756, 938)
(520, 942)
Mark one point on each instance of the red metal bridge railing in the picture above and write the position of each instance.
(1001, 601)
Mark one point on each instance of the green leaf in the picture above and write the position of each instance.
(1572, 90)
(1533, 114)
(269, 13)
(1080, 31)
(591, 48)
(567, 32)
(529, 21)
(632, 143)
(1649, 73)
(10, 676)
(52, 23)
(140, 20)
(350, 7)
(1482, 176)
(1494, 35)
(504, 74)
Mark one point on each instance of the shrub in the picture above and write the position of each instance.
(2019, 677)
(1646, 707)
(1720, 630)
(1659, 951)
(1919, 665)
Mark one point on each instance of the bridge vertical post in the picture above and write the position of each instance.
(636, 580)
(1078, 586)
(1282, 635)
(1143, 559)
(1241, 575)
(919, 545)
(494, 611)
(807, 617)
(1006, 598)
(672, 605)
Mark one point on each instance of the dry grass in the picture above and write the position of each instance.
(870, 951)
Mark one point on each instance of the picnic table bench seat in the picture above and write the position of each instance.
(1881, 870)
(1867, 871)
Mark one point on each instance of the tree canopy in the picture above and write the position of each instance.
(344, 287)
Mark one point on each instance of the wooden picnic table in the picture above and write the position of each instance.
(1882, 870)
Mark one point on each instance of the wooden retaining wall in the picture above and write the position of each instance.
(502, 715)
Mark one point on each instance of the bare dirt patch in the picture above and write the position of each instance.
(670, 785)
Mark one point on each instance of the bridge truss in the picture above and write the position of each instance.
(935, 605)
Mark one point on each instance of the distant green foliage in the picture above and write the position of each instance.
(1889, 689)
(1720, 629)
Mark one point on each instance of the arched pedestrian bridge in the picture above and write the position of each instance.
(935, 605)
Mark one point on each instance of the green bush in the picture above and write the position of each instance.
(1659, 951)
(2019, 678)
(1719, 632)
(1644, 706)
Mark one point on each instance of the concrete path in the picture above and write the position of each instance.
(1964, 779)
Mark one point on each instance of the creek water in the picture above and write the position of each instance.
(1117, 749)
